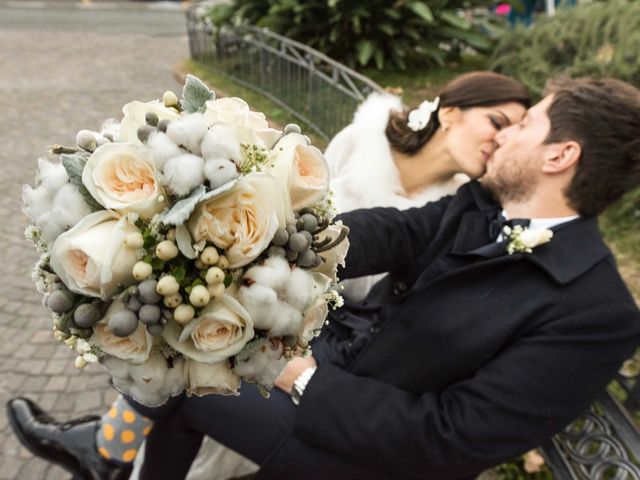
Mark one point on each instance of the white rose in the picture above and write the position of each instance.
(217, 378)
(531, 238)
(91, 258)
(336, 256)
(254, 128)
(151, 382)
(220, 331)
(135, 348)
(122, 177)
(305, 169)
(261, 361)
(134, 118)
(241, 219)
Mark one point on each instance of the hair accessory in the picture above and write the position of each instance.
(419, 118)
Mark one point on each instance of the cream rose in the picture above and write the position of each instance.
(134, 118)
(241, 219)
(135, 348)
(308, 177)
(217, 378)
(220, 331)
(91, 258)
(254, 128)
(122, 177)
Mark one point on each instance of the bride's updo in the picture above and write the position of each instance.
(474, 89)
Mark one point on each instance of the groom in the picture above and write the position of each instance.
(466, 355)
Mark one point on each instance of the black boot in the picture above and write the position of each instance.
(71, 445)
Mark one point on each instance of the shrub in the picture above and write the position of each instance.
(374, 33)
(592, 39)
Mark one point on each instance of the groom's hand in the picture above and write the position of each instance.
(292, 371)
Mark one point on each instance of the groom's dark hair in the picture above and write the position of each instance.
(603, 116)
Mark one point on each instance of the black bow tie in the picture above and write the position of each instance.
(499, 222)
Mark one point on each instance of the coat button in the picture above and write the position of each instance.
(374, 328)
(399, 288)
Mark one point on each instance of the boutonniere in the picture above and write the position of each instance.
(524, 240)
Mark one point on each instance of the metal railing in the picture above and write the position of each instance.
(317, 90)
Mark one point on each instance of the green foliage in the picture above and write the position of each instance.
(596, 39)
(377, 33)
(515, 471)
(621, 225)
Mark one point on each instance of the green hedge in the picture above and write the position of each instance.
(375, 33)
(595, 39)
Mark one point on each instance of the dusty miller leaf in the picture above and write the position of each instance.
(180, 212)
(195, 94)
(74, 165)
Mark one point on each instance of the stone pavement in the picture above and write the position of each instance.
(52, 84)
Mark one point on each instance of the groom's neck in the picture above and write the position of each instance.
(538, 206)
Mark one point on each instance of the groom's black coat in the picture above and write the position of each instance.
(479, 357)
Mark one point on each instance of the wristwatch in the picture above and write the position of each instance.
(300, 384)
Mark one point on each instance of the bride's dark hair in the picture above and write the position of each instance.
(474, 89)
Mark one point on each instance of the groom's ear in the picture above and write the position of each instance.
(562, 156)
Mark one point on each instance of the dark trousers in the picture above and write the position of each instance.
(249, 424)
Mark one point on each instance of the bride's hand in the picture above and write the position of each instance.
(292, 371)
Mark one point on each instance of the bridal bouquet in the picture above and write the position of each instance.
(186, 246)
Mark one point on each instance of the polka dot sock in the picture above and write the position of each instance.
(121, 432)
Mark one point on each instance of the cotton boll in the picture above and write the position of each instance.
(299, 289)
(162, 148)
(284, 320)
(51, 176)
(188, 131)
(183, 173)
(274, 273)
(36, 201)
(50, 228)
(220, 142)
(68, 206)
(261, 362)
(219, 172)
(259, 301)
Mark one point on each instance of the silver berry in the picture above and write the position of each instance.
(123, 323)
(306, 259)
(309, 222)
(281, 237)
(60, 301)
(298, 242)
(149, 314)
(147, 291)
(86, 315)
(134, 303)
